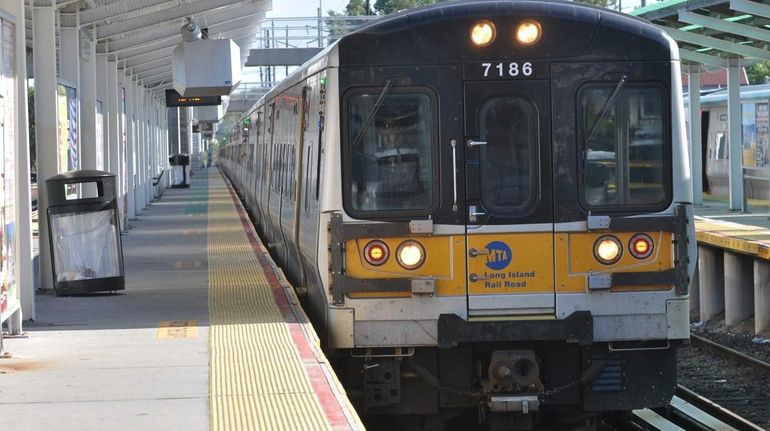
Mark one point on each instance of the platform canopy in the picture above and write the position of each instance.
(141, 34)
(714, 32)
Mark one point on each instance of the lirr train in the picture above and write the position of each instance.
(487, 208)
(755, 122)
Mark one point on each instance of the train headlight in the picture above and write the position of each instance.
(528, 32)
(641, 246)
(483, 33)
(376, 252)
(608, 250)
(410, 254)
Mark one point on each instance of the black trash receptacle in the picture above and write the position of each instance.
(86, 250)
(180, 170)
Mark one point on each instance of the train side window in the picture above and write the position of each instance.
(390, 152)
(625, 147)
(722, 153)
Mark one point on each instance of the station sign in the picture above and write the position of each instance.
(174, 99)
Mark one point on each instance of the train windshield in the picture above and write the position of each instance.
(623, 154)
(392, 159)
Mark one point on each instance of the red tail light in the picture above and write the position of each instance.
(376, 252)
(641, 246)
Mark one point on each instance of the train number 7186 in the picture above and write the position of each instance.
(511, 69)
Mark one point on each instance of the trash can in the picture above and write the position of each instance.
(180, 170)
(86, 250)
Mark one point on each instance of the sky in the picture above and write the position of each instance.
(303, 8)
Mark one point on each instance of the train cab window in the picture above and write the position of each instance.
(624, 147)
(390, 152)
(509, 159)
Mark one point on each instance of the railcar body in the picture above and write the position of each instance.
(480, 220)
(755, 145)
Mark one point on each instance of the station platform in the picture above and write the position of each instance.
(207, 335)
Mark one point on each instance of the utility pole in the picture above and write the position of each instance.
(366, 6)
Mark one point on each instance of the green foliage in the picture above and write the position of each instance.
(758, 72)
(384, 7)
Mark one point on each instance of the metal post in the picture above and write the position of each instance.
(46, 127)
(130, 149)
(734, 137)
(88, 106)
(112, 108)
(696, 148)
(141, 147)
(103, 153)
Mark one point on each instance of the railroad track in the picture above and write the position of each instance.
(729, 353)
(689, 411)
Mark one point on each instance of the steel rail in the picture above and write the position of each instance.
(729, 353)
(715, 410)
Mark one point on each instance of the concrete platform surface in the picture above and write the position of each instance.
(207, 335)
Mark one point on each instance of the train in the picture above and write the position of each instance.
(755, 128)
(486, 208)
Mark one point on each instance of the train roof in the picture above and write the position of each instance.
(748, 93)
(429, 34)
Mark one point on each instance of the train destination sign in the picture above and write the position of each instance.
(174, 99)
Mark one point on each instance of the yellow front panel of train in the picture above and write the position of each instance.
(510, 263)
(575, 260)
(444, 262)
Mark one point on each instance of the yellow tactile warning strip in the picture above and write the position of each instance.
(265, 373)
(736, 237)
(177, 329)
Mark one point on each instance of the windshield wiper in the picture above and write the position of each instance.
(606, 108)
(370, 117)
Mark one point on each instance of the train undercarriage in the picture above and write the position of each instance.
(532, 381)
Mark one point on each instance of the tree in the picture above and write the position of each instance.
(384, 7)
(757, 73)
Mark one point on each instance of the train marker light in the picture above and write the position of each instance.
(641, 246)
(528, 32)
(608, 250)
(410, 254)
(483, 32)
(376, 252)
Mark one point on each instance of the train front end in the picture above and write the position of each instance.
(514, 231)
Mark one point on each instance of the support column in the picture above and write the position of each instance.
(24, 268)
(130, 149)
(695, 292)
(739, 292)
(46, 128)
(139, 106)
(103, 153)
(69, 61)
(151, 142)
(761, 296)
(173, 130)
(734, 137)
(696, 148)
(88, 106)
(122, 148)
(712, 282)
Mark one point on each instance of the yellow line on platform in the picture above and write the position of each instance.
(257, 378)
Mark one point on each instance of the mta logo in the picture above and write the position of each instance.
(499, 255)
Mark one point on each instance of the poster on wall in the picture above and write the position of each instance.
(9, 294)
(67, 107)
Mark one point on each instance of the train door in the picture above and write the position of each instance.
(508, 199)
